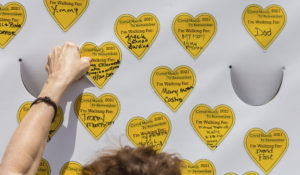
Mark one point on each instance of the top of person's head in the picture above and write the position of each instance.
(134, 161)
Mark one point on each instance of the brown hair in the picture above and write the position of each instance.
(134, 161)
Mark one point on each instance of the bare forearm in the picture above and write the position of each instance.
(34, 128)
(24, 152)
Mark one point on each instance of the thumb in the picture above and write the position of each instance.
(88, 59)
(86, 63)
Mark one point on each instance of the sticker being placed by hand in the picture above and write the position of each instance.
(55, 125)
(264, 25)
(71, 168)
(97, 114)
(44, 168)
(201, 167)
(151, 132)
(266, 149)
(66, 13)
(173, 87)
(212, 125)
(137, 34)
(105, 61)
(194, 34)
(13, 17)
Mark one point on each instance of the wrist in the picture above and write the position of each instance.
(59, 80)
(54, 88)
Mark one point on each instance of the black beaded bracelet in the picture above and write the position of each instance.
(46, 100)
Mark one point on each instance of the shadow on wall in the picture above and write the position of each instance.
(256, 86)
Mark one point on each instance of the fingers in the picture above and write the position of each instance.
(65, 61)
(86, 61)
(57, 51)
(47, 67)
(71, 45)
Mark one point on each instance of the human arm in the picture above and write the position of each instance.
(25, 149)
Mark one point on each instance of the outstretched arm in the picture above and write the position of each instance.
(25, 149)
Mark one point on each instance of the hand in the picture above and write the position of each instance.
(65, 65)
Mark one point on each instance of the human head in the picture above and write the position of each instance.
(134, 161)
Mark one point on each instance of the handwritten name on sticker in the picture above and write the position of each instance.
(12, 19)
(151, 132)
(97, 114)
(137, 34)
(212, 125)
(173, 87)
(264, 25)
(55, 125)
(44, 168)
(71, 168)
(194, 34)
(105, 61)
(66, 12)
(266, 149)
(201, 167)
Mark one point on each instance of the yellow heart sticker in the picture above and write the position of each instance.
(55, 125)
(97, 114)
(212, 125)
(266, 149)
(105, 61)
(248, 173)
(194, 34)
(13, 17)
(71, 168)
(66, 13)
(44, 168)
(137, 34)
(264, 25)
(151, 132)
(201, 167)
(173, 87)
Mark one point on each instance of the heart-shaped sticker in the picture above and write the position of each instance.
(44, 168)
(13, 17)
(212, 125)
(71, 168)
(151, 132)
(251, 173)
(264, 25)
(105, 61)
(194, 34)
(266, 149)
(137, 34)
(55, 125)
(201, 167)
(66, 13)
(173, 87)
(248, 173)
(97, 114)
